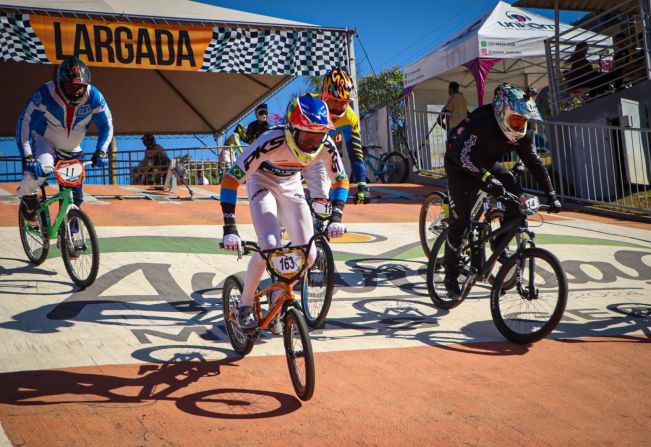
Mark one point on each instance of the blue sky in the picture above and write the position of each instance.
(393, 33)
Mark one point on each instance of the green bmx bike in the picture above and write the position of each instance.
(71, 227)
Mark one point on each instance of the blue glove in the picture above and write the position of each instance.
(30, 164)
(99, 160)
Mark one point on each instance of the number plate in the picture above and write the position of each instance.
(69, 173)
(287, 262)
(322, 208)
(532, 203)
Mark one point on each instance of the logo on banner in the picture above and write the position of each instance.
(521, 21)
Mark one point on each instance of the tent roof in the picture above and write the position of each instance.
(568, 5)
(184, 10)
(237, 72)
(504, 32)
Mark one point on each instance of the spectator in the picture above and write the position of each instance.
(234, 142)
(153, 167)
(201, 180)
(621, 61)
(581, 77)
(260, 125)
(457, 106)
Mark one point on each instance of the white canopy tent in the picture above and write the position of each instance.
(506, 44)
(164, 66)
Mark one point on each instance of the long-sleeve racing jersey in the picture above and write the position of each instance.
(49, 116)
(478, 143)
(270, 155)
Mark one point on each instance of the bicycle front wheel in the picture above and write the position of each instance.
(231, 294)
(80, 249)
(430, 221)
(35, 240)
(436, 274)
(396, 168)
(298, 349)
(318, 286)
(531, 310)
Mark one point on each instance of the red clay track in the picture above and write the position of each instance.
(578, 392)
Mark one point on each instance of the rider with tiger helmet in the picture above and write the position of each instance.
(338, 92)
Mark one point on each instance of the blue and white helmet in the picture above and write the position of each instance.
(513, 109)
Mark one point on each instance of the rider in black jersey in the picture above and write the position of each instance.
(476, 145)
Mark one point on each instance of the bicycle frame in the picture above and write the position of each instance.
(286, 286)
(367, 155)
(67, 203)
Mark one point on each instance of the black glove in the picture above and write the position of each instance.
(493, 186)
(98, 160)
(554, 204)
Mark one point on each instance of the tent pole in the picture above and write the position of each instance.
(556, 67)
(352, 69)
(645, 10)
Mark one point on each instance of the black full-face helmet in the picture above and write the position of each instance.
(73, 80)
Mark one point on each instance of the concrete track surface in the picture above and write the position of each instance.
(141, 357)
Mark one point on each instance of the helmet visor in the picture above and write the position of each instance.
(517, 122)
(309, 141)
(74, 90)
(337, 106)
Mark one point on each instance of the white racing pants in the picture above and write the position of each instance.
(274, 199)
(47, 156)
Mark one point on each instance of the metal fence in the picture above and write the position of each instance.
(589, 164)
(601, 55)
(135, 167)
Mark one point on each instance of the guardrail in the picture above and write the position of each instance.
(590, 164)
(139, 167)
(601, 55)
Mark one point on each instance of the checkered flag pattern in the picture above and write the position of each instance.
(294, 53)
(18, 41)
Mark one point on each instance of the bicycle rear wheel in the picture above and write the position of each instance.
(395, 168)
(430, 220)
(436, 275)
(532, 309)
(36, 241)
(80, 250)
(298, 349)
(231, 294)
(318, 285)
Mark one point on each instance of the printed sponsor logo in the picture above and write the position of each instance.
(84, 110)
(267, 146)
(521, 21)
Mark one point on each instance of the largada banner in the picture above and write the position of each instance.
(226, 49)
(111, 44)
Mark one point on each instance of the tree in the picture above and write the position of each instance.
(379, 90)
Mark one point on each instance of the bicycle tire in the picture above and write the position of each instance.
(425, 219)
(505, 302)
(295, 325)
(436, 273)
(242, 343)
(71, 263)
(35, 256)
(398, 168)
(315, 307)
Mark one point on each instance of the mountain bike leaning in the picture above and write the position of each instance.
(391, 167)
(72, 227)
(286, 265)
(529, 291)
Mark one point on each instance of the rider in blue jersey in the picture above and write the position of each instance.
(53, 124)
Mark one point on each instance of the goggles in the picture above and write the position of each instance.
(309, 141)
(517, 122)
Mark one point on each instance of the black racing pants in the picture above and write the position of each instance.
(463, 189)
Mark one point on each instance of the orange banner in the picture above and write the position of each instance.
(110, 44)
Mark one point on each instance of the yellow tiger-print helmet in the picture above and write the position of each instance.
(338, 84)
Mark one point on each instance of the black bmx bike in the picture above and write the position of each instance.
(529, 291)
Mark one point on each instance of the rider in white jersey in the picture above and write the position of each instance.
(271, 165)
